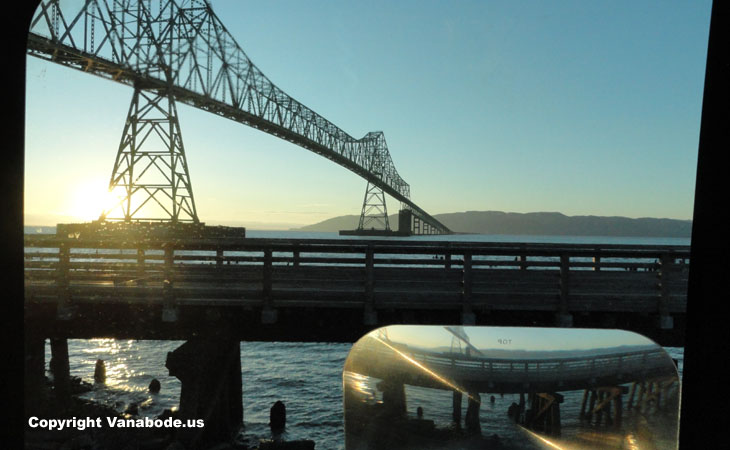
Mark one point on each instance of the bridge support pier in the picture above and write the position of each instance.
(210, 372)
(405, 221)
(60, 369)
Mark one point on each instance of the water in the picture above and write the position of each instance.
(306, 376)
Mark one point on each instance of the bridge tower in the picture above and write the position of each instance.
(374, 211)
(150, 175)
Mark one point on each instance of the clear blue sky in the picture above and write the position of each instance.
(586, 108)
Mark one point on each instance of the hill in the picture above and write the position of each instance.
(537, 223)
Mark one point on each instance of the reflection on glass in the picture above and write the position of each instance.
(414, 387)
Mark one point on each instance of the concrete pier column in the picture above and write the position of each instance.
(471, 421)
(210, 372)
(35, 368)
(405, 217)
(456, 407)
(59, 366)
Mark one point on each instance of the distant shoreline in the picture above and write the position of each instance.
(491, 223)
(536, 224)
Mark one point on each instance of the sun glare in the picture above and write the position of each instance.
(90, 198)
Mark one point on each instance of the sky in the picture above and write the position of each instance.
(584, 108)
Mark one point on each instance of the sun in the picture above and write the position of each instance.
(90, 198)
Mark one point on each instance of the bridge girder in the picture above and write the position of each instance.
(184, 47)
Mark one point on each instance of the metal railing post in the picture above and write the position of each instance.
(140, 267)
(169, 310)
(666, 263)
(467, 315)
(564, 319)
(597, 260)
(64, 310)
(268, 313)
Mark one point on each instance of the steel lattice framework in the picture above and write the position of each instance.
(374, 210)
(183, 49)
(151, 166)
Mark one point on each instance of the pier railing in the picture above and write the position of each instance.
(634, 365)
(355, 273)
(445, 370)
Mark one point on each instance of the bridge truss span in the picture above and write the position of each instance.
(183, 47)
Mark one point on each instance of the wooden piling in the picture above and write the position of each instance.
(591, 405)
(583, 403)
(60, 369)
(471, 421)
(555, 419)
(456, 407)
(630, 403)
(618, 411)
(599, 408)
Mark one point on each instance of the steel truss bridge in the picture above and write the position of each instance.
(179, 50)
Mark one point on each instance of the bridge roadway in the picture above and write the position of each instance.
(381, 359)
(338, 290)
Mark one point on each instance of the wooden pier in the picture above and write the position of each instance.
(337, 290)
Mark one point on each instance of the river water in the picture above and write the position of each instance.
(307, 377)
